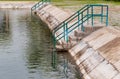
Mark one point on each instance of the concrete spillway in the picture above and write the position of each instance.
(97, 55)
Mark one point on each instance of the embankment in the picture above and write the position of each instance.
(97, 55)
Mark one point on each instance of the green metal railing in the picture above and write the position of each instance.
(78, 19)
(39, 4)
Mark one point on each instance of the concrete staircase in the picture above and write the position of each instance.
(80, 24)
(76, 36)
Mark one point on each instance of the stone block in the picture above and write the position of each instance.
(92, 61)
(103, 71)
(78, 48)
(85, 55)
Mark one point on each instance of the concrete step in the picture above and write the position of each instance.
(78, 49)
(73, 43)
(104, 71)
(102, 40)
(89, 29)
(66, 45)
(95, 35)
(74, 38)
(59, 48)
(85, 55)
(79, 33)
(92, 62)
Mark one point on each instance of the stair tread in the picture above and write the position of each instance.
(74, 38)
(73, 43)
(79, 33)
(60, 48)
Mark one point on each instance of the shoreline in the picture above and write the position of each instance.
(16, 4)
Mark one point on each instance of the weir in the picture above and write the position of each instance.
(93, 46)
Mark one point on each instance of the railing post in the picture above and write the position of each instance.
(92, 21)
(54, 54)
(35, 7)
(78, 19)
(102, 14)
(107, 17)
(88, 15)
(54, 39)
(82, 27)
(66, 31)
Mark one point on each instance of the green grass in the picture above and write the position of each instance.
(79, 2)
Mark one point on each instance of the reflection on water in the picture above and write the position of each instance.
(25, 52)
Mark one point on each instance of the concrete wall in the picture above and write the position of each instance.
(16, 4)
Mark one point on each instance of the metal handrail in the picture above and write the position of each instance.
(81, 20)
(40, 3)
(70, 17)
(34, 6)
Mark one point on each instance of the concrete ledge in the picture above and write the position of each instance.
(16, 4)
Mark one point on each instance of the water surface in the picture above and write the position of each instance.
(25, 50)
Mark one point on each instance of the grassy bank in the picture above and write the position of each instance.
(78, 2)
(74, 5)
